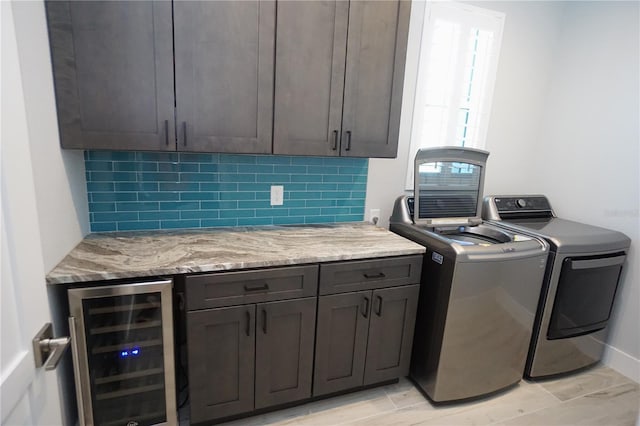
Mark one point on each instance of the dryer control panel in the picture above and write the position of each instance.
(497, 207)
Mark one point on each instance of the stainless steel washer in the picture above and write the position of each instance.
(480, 283)
(579, 286)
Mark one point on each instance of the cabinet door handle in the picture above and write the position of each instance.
(371, 276)
(348, 148)
(264, 321)
(166, 132)
(248, 328)
(260, 287)
(184, 132)
(379, 310)
(365, 308)
(334, 146)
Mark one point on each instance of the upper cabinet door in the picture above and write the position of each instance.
(113, 73)
(310, 63)
(224, 75)
(376, 51)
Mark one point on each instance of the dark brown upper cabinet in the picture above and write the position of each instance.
(200, 75)
(113, 64)
(339, 77)
(310, 54)
(224, 75)
(113, 73)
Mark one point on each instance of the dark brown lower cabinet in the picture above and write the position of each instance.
(393, 315)
(341, 341)
(224, 345)
(221, 349)
(284, 351)
(364, 337)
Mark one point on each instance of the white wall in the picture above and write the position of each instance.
(587, 156)
(58, 174)
(565, 123)
(386, 179)
(522, 84)
(526, 57)
(27, 396)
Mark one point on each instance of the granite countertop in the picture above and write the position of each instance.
(151, 253)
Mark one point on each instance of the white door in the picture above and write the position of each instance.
(28, 396)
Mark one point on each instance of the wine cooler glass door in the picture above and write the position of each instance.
(126, 354)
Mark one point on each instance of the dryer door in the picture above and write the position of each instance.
(586, 290)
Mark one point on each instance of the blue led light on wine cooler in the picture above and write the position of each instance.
(131, 352)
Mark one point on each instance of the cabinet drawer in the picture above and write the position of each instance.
(237, 288)
(342, 277)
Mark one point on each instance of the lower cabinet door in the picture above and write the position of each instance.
(284, 351)
(221, 348)
(341, 341)
(393, 315)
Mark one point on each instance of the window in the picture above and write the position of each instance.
(456, 72)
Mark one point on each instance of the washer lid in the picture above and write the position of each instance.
(448, 185)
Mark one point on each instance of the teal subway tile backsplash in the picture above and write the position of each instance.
(149, 190)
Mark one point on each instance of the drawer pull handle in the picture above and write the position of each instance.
(365, 308)
(371, 276)
(379, 310)
(248, 328)
(261, 287)
(264, 321)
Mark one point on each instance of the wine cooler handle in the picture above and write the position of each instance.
(76, 369)
(47, 351)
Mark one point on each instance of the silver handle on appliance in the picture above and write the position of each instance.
(76, 368)
(598, 263)
(47, 351)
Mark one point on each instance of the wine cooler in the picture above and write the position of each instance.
(123, 354)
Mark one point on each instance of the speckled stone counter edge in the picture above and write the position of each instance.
(121, 255)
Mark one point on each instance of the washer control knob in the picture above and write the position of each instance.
(521, 202)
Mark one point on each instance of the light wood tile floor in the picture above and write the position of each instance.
(598, 396)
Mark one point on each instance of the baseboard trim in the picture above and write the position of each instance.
(622, 362)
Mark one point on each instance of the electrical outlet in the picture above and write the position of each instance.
(374, 216)
(277, 195)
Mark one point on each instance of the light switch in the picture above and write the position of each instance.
(277, 195)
